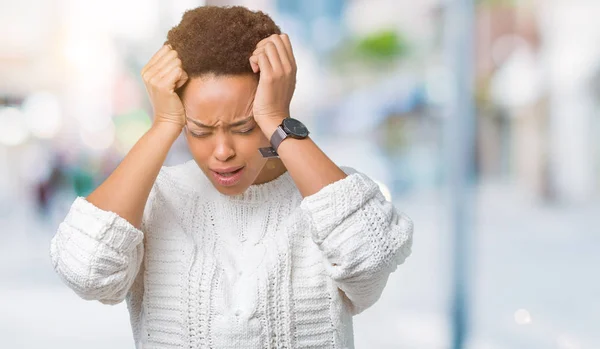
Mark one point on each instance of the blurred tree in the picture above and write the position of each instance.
(383, 45)
(380, 47)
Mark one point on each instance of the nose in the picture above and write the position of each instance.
(223, 148)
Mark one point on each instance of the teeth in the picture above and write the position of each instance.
(228, 174)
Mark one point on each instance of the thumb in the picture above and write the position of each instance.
(182, 80)
(254, 64)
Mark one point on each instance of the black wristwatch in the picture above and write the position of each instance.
(289, 127)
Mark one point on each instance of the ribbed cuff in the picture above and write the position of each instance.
(103, 226)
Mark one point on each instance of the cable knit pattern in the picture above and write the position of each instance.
(263, 269)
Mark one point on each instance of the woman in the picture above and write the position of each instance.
(237, 248)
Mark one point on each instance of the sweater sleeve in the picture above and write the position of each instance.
(362, 236)
(97, 253)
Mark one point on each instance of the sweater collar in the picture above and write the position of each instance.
(277, 189)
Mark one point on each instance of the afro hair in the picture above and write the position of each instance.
(219, 40)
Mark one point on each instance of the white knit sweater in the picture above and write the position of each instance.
(263, 269)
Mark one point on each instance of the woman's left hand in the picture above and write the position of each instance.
(274, 60)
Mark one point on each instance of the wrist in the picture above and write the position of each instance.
(170, 130)
(270, 125)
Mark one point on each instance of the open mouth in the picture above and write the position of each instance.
(229, 174)
(229, 178)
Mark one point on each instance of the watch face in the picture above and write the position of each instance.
(295, 128)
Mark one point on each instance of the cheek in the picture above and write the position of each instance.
(201, 150)
(246, 147)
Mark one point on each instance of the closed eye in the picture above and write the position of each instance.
(206, 134)
(198, 134)
(201, 135)
(246, 131)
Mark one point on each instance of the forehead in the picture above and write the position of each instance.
(226, 98)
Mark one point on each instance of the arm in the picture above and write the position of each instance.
(126, 190)
(310, 168)
(363, 237)
(98, 249)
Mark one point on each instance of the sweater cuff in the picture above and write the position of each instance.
(334, 203)
(103, 226)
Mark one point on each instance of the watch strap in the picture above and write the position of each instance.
(278, 136)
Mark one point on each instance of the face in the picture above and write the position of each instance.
(222, 134)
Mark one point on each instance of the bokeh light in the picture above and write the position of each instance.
(100, 139)
(14, 129)
(522, 317)
(43, 114)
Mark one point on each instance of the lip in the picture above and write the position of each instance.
(225, 170)
(229, 180)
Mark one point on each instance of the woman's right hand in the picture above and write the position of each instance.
(162, 76)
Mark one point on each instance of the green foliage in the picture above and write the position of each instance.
(376, 49)
(386, 44)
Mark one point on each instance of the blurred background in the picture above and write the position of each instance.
(479, 119)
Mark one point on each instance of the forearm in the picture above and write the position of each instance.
(308, 165)
(310, 168)
(126, 190)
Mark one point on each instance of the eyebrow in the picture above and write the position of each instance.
(234, 124)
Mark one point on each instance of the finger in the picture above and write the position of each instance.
(273, 57)
(160, 74)
(264, 41)
(166, 76)
(264, 65)
(163, 50)
(267, 39)
(254, 64)
(284, 47)
(288, 46)
(171, 79)
(258, 50)
(162, 63)
(283, 54)
(182, 79)
(165, 60)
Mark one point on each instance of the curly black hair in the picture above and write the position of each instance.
(219, 40)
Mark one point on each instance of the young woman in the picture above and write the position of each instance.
(239, 247)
